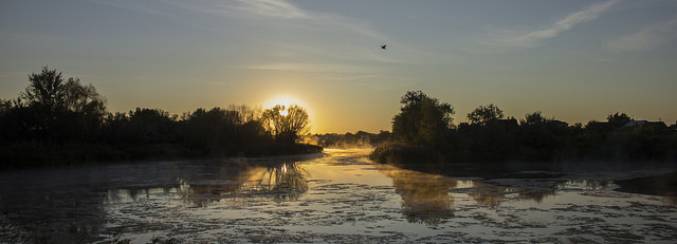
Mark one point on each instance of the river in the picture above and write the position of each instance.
(339, 196)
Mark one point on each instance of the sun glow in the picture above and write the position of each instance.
(285, 101)
(282, 100)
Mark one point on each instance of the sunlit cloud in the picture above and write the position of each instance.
(532, 38)
(647, 38)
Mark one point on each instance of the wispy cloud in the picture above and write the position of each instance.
(271, 8)
(647, 38)
(535, 37)
(283, 9)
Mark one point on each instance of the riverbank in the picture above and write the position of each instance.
(407, 154)
(27, 155)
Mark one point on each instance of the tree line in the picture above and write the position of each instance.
(56, 120)
(423, 130)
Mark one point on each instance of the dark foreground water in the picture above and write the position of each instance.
(337, 197)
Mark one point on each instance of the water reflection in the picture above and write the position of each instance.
(425, 197)
(430, 198)
(341, 193)
(283, 181)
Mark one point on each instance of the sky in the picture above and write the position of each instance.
(573, 60)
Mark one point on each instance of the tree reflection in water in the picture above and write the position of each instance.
(282, 182)
(425, 197)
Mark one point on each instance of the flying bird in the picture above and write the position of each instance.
(384, 46)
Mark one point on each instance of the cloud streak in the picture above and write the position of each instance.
(283, 9)
(532, 38)
(271, 8)
(647, 38)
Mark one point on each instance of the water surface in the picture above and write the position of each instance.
(340, 196)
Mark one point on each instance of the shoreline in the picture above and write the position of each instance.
(82, 154)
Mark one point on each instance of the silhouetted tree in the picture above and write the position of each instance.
(211, 129)
(45, 89)
(541, 138)
(5, 106)
(534, 119)
(56, 118)
(485, 114)
(83, 99)
(618, 120)
(422, 120)
(59, 110)
(286, 124)
(489, 136)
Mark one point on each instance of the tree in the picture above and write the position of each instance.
(485, 114)
(46, 89)
(59, 110)
(286, 124)
(5, 106)
(618, 120)
(83, 98)
(141, 126)
(211, 129)
(541, 138)
(533, 119)
(422, 120)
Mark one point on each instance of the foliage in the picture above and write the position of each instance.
(490, 136)
(286, 124)
(618, 120)
(422, 120)
(485, 114)
(56, 119)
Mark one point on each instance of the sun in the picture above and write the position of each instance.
(285, 101)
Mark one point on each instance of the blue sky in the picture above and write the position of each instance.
(573, 60)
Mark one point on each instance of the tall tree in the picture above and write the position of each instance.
(46, 89)
(286, 124)
(422, 119)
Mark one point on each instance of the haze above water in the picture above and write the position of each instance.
(340, 196)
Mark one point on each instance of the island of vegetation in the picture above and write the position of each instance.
(58, 121)
(423, 132)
